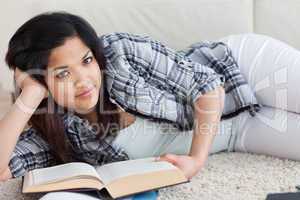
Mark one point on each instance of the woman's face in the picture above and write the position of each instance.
(73, 76)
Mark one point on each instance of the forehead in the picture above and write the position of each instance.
(72, 51)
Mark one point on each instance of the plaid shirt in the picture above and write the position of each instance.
(33, 152)
(149, 79)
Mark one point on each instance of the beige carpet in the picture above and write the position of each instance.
(226, 176)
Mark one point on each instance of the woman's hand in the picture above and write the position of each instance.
(188, 164)
(25, 82)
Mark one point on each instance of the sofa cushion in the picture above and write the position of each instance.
(279, 19)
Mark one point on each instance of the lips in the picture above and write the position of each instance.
(86, 92)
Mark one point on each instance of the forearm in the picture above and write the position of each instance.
(13, 123)
(208, 110)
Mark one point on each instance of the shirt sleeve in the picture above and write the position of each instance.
(30, 152)
(162, 67)
(183, 76)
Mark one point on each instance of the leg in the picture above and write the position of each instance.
(272, 132)
(145, 139)
(272, 69)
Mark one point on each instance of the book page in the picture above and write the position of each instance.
(116, 170)
(74, 184)
(63, 172)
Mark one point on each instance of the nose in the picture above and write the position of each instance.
(80, 78)
(82, 84)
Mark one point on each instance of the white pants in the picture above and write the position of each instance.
(271, 132)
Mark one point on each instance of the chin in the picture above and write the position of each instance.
(86, 107)
(85, 110)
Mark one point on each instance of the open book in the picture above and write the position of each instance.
(120, 179)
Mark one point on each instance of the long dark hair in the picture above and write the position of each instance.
(30, 48)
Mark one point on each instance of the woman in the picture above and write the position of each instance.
(117, 97)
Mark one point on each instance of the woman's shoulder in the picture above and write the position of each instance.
(125, 44)
(113, 37)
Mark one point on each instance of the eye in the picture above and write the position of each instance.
(62, 74)
(88, 60)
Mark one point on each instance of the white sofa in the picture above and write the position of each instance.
(175, 22)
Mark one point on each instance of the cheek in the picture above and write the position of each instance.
(63, 94)
(96, 75)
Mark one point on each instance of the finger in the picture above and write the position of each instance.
(169, 158)
(157, 158)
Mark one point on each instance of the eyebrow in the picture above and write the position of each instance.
(65, 66)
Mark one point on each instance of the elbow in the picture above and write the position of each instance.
(5, 174)
(211, 103)
(2, 169)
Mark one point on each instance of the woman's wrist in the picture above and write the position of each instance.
(35, 93)
(199, 159)
(29, 100)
